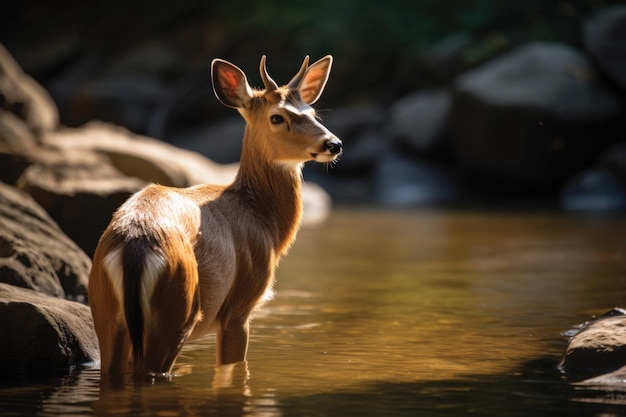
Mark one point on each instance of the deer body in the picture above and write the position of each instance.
(175, 264)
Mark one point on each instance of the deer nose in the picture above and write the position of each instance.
(334, 146)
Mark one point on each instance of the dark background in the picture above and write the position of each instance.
(145, 65)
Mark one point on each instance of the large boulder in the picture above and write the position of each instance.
(35, 253)
(532, 117)
(142, 157)
(604, 36)
(41, 334)
(80, 190)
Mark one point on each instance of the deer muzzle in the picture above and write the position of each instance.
(334, 146)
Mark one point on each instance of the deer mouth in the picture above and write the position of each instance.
(324, 157)
(332, 149)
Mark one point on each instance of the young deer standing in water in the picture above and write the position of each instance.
(175, 264)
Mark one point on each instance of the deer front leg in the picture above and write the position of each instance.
(232, 342)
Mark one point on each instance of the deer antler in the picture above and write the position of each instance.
(270, 84)
(295, 81)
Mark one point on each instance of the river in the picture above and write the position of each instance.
(393, 313)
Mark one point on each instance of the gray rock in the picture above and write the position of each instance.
(604, 36)
(419, 121)
(532, 117)
(41, 334)
(35, 253)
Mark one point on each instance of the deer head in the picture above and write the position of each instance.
(281, 124)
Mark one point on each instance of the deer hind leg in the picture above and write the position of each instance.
(174, 311)
(120, 354)
(108, 317)
(232, 341)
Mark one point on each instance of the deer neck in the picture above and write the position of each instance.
(271, 190)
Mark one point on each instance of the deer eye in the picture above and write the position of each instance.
(276, 119)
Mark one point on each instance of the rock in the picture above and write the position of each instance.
(35, 253)
(604, 36)
(80, 190)
(41, 334)
(25, 98)
(598, 348)
(419, 121)
(142, 157)
(403, 182)
(612, 379)
(17, 143)
(531, 118)
(14, 133)
(593, 190)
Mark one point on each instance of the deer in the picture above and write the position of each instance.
(175, 264)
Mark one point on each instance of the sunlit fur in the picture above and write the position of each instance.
(175, 264)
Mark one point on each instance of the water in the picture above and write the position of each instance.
(436, 313)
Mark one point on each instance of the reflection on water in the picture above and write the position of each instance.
(393, 313)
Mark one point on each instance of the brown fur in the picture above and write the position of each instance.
(175, 263)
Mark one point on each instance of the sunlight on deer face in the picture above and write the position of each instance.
(286, 128)
(295, 134)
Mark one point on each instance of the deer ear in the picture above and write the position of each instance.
(314, 80)
(230, 84)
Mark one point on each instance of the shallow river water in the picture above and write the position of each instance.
(434, 313)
